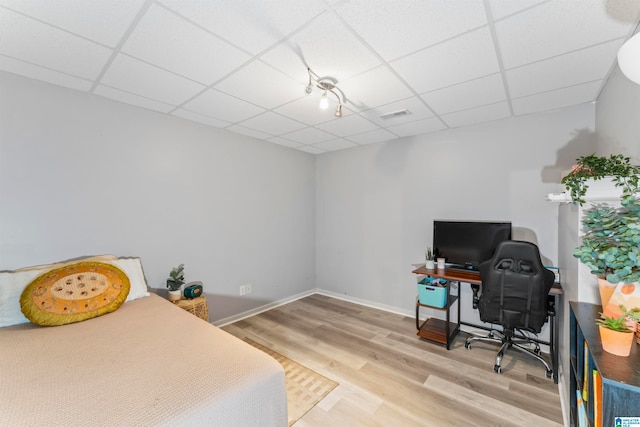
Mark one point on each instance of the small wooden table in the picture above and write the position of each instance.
(196, 306)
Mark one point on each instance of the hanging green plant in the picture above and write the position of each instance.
(616, 166)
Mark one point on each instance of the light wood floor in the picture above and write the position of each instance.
(390, 377)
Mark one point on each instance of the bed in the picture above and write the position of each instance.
(146, 363)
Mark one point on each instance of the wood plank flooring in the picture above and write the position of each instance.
(390, 377)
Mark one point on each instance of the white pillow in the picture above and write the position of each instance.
(133, 269)
(12, 283)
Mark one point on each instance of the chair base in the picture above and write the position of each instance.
(508, 342)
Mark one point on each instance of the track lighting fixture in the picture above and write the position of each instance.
(327, 85)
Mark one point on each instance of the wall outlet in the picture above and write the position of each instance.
(245, 289)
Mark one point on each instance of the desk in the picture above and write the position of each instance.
(473, 277)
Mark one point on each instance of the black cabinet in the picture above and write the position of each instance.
(605, 388)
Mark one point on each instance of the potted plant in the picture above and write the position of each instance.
(615, 335)
(174, 282)
(611, 244)
(617, 167)
(429, 260)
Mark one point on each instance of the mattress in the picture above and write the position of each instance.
(149, 363)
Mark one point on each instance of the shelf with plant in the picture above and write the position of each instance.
(610, 245)
(616, 166)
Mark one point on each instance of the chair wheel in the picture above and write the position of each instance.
(497, 369)
(549, 373)
(467, 345)
(537, 351)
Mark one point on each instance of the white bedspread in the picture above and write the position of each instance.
(149, 363)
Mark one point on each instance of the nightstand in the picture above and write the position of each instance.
(197, 306)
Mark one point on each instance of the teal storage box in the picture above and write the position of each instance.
(432, 292)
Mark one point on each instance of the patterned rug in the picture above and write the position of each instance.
(305, 387)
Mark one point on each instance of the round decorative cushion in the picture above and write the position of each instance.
(74, 293)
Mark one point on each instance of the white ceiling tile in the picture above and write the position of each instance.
(374, 88)
(249, 132)
(39, 73)
(272, 123)
(307, 110)
(311, 149)
(206, 61)
(170, 42)
(502, 8)
(371, 137)
(336, 144)
(221, 106)
(104, 21)
(309, 136)
(477, 115)
(129, 98)
(252, 25)
(418, 127)
(557, 99)
(399, 27)
(195, 117)
(337, 52)
(349, 125)
(416, 107)
(32, 41)
(287, 143)
(262, 85)
(464, 58)
(566, 70)
(474, 93)
(554, 28)
(135, 76)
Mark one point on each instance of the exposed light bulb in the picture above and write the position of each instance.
(308, 89)
(324, 102)
(339, 111)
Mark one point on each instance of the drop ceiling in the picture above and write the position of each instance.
(241, 65)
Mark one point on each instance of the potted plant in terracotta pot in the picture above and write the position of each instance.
(592, 168)
(615, 335)
(175, 282)
(611, 245)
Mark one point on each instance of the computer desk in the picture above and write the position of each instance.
(473, 277)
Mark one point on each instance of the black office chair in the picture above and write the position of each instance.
(515, 288)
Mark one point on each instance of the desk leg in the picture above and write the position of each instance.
(554, 341)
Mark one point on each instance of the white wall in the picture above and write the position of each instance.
(618, 118)
(81, 174)
(376, 204)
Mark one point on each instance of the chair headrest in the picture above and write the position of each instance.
(517, 256)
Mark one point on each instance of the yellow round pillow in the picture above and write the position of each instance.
(74, 293)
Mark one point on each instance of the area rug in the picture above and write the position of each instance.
(305, 387)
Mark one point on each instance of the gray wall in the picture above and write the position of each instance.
(618, 118)
(81, 174)
(376, 204)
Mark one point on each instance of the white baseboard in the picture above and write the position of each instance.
(366, 303)
(237, 317)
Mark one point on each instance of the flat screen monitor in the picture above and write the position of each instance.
(466, 244)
